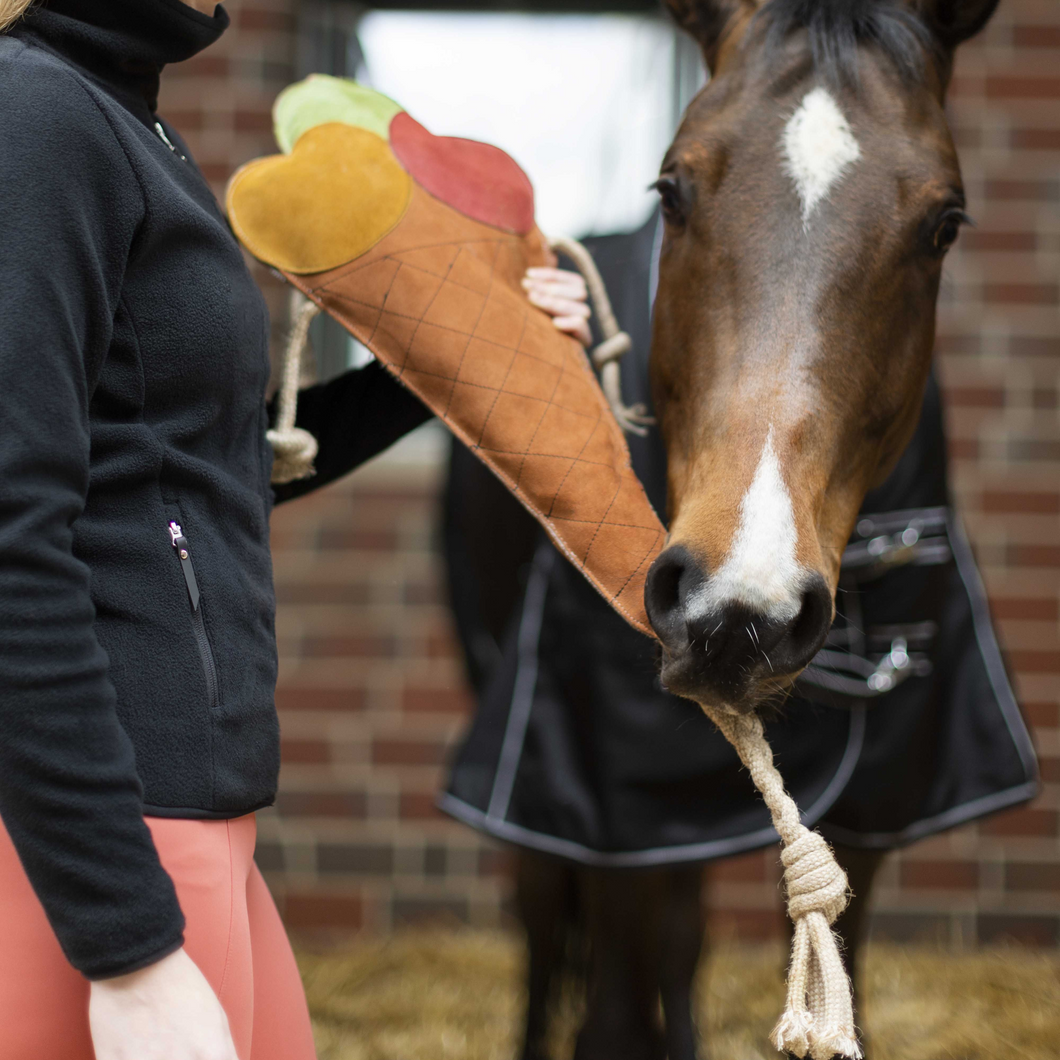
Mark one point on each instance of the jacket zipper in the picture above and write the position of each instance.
(167, 141)
(180, 546)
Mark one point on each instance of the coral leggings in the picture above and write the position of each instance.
(233, 934)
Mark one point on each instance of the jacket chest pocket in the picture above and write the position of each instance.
(182, 550)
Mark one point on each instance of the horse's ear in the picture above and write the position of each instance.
(707, 20)
(954, 21)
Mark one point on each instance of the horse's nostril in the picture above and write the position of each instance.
(807, 632)
(673, 575)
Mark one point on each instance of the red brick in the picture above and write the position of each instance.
(959, 345)
(379, 647)
(312, 911)
(1050, 770)
(358, 538)
(994, 928)
(1035, 140)
(185, 120)
(441, 912)
(1032, 876)
(1034, 555)
(940, 875)
(1035, 662)
(254, 18)
(305, 752)
(1024, 821)
(253, 121)
(980, 397)
(750, 868)
(999, 241)
(1036, 36)
(423, 593)
(1028, 503)
(200, 66)
(418, 806)
(1021, 293)
(216, 173)
(1034, 346)
(1023, 87)
(437, 701)
(321, 804)
(351, 699)
(1018, 190)
(496, 861)
(962, 448)
(409, 752)
(748, 925)
(1042, 715)
(1027, 609)
(321, 593)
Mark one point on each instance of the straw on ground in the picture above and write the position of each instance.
(455, 995)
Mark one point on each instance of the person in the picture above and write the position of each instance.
(138, 733)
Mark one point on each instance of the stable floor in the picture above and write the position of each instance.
(456, 996)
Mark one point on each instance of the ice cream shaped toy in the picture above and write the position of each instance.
(417, 245)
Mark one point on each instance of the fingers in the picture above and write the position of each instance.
(563, 295)
(561, 282)
(576, 326)
(559, 305)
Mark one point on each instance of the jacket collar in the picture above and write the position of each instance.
(124, 44)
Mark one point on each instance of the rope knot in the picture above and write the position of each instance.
(293, 451)
(612, 349)
(814, 880)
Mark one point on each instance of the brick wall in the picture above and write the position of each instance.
(370, 689)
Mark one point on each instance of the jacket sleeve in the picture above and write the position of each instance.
(69, 794)
(353, 417)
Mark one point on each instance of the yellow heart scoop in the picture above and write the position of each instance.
(338, 193)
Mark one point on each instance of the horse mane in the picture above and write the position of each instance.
(837, 27)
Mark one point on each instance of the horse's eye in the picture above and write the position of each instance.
(670, 199)
(949, 228)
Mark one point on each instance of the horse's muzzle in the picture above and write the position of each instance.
(730, 654)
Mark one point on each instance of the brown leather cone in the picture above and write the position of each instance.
(439, 303)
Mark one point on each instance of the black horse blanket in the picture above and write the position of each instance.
(905, 723)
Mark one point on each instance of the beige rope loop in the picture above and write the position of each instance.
(612, 349)
(294, 449)
(818, 1019)
(631, 418)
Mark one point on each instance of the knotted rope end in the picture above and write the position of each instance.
(797, 1033)
(793, 1032)
(294, 451)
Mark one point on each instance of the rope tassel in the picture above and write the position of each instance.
(818, 1020)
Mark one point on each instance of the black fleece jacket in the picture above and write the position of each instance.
(133, 366)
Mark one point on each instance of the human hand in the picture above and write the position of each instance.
(167, 1011)
(562, 295)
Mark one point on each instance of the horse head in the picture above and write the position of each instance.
(809, 199)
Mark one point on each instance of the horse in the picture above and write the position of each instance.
(809, 198)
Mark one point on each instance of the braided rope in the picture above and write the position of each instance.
(293, 448)
(818, 1020)
(631, 418)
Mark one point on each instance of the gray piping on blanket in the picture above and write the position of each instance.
(988, 648)
(525, 683)
(717, 848)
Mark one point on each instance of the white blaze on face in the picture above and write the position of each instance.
(818, 148)
(760, 571)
